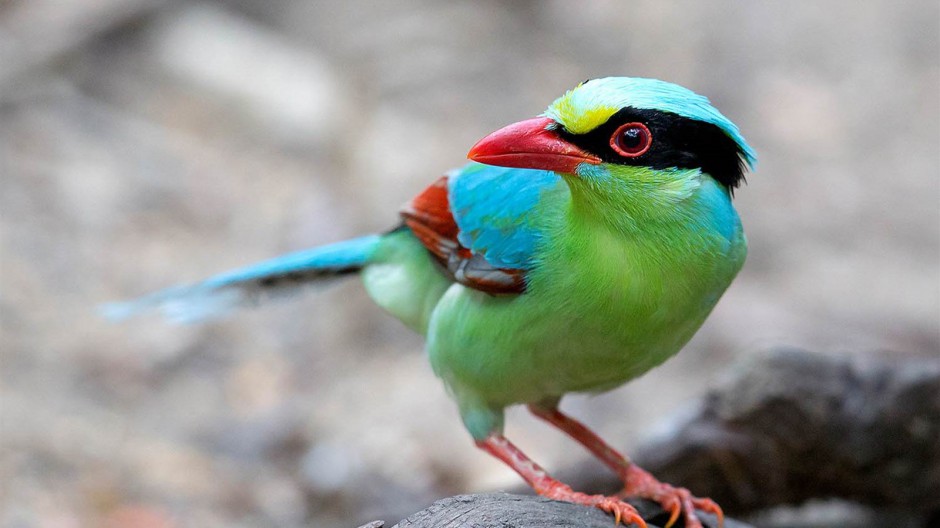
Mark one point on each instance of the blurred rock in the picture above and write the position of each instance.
(138, 517)
(790, 427)
(36, 33)
(831, 513)
(329, 468)
(290, 92)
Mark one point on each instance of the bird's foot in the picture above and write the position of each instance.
(622, 511)
(547, 486)
(639, 483)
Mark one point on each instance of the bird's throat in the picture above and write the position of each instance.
(634, 200)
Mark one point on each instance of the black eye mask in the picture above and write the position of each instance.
(677, 142)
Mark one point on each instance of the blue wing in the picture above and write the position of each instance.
(497, 211)
(484, 223)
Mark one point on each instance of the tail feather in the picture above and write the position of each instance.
(218, 295)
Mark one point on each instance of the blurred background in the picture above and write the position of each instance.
(145, 143)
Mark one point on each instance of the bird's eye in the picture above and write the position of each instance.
(631, 140)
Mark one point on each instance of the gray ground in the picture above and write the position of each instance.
(149, 142)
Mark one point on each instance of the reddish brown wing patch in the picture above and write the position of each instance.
(431, 220)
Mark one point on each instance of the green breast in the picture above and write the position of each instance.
(601, 308)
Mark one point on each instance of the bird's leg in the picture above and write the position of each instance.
(637, 482)
(543, 484)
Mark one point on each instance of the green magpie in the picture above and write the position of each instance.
(578, 250)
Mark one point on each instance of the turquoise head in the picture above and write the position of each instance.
(628, 130)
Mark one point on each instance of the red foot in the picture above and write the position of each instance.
(638, 483)
(546, 486)
(641, 484)
(621, 511)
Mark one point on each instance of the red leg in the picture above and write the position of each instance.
(637, 482)
(546, 486)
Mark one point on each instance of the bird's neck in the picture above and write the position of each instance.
(645, 200)
(685, 246)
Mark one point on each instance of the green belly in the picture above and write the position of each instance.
(600, 315)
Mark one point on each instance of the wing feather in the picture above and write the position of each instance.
(482, 223)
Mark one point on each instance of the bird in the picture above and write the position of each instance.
(575, 251)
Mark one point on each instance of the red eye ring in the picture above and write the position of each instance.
(640, 140)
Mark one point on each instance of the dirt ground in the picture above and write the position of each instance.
(145, 143)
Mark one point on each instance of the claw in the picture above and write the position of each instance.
(674, 512)
(710, 506)
(676, 501)
(622, 512)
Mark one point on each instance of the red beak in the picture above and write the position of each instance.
(530, 145)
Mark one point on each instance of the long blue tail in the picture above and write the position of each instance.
(218, 295)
